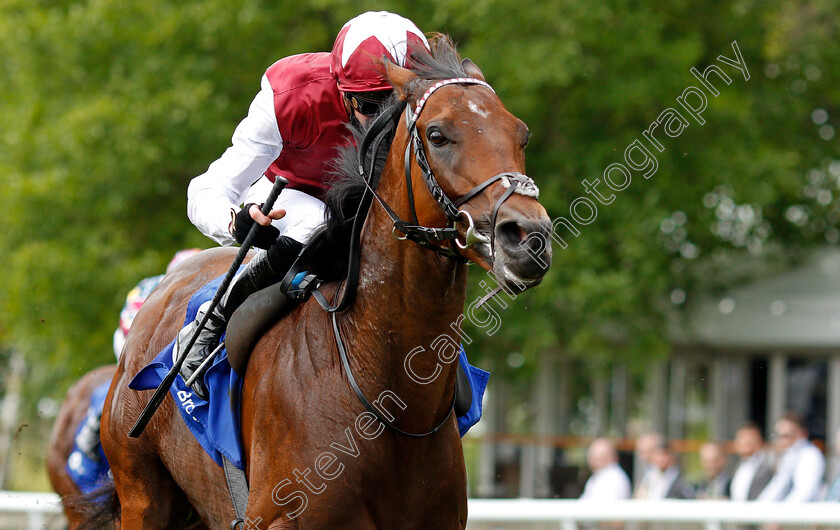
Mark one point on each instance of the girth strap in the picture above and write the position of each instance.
(238, 488)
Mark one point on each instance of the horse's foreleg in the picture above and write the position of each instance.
(149, 497)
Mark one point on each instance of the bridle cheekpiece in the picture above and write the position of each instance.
(513, 182)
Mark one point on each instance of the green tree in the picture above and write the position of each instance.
(110, 108)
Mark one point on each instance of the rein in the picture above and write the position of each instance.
(383, 126)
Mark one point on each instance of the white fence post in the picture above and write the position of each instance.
(35, 521)
(32, 507)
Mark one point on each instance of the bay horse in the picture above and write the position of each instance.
(313, 458)
(73, 411)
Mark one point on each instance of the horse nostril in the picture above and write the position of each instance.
(526, 239)
(524, 248)
(510, 234)
(515, 234)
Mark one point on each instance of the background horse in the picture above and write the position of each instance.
(313, 457)
(73, 411)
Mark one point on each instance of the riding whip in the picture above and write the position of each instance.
(163, 388)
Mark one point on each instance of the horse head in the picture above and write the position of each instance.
(469, 154)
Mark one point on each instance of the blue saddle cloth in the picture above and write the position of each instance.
(216, 423)
(89, 474)
(478, 383)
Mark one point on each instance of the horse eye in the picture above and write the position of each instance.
(436, 137)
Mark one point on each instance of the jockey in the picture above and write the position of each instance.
(293, 127)
(87, 439)
(135, 298)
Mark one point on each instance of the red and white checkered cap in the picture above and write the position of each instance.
(363, 42)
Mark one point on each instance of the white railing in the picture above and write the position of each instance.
(566, 514)
(32, 507)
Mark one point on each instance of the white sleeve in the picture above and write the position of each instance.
(808, 476)
(214, 196)
(623, 487)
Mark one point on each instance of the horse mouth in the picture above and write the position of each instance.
(513, 278)
(522, 253)
(516, 258)
(506, 268)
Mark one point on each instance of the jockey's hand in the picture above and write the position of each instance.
(247, 216)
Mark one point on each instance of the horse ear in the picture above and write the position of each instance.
(399, 77)
(472, 70)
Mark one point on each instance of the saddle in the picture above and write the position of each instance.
(264, 308)
(251, 320)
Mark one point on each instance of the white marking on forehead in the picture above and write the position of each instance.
(476, 109)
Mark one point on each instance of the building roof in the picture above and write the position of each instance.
(798, 309)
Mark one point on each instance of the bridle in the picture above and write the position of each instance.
(380, 130)
(513, 182)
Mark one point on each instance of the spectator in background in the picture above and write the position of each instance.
(608, 481)
(833, 493)
(87, 439)
(799, 474)
(664, 481)
(646, 444)
(713, 460)
(755, 468)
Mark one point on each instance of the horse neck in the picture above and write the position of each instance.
(408, 298)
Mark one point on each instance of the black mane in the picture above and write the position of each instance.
(329, 246)
(442, 62)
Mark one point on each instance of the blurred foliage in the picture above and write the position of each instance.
(108, 109)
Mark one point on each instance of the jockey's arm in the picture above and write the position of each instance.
(215, 196)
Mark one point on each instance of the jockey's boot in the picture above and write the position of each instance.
(257, 274)
(88, 438)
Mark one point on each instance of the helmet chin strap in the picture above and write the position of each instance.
(348, 108)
